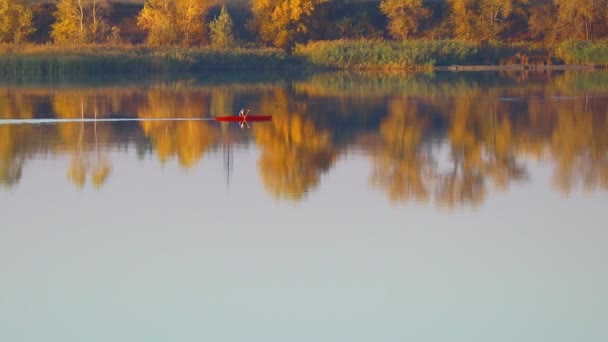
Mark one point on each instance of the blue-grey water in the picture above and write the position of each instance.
(400, 207)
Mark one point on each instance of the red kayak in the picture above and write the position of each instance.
(250, 118)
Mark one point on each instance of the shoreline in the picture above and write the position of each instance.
(515, 67)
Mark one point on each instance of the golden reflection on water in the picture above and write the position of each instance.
(489, 124)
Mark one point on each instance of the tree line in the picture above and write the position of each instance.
(285, 23)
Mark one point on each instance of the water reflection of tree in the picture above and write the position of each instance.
(480, 142)
(77, 139)
(401, 165)
(294, 152)
(13, 139)
(481, 150)
(489, 129)
(579, 144)
(188, 140)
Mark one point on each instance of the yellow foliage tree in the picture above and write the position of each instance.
(481, 20)
(541, 21)
(221, 31)
(174, 21)
(79, 21)
(15, 21)
(404, 16)
(581, 16)
(282, 22)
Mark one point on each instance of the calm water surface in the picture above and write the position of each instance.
(444, 207)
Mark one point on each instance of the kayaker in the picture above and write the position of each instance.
(244, 112)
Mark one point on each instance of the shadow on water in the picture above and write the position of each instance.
(445, 138)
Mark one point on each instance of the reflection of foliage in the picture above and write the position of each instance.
(450, 139)
(399, 160)
(465, 182)
(10, 170)
(77, 172)
(294, 151)
(13, 138)
(100, 173)
(480, 145)
(187, 139)
(482, 149)
(75, 136)
(580, 145)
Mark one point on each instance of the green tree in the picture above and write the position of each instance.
(282, 22)
(221, 31)
(404, 16)
(15, 21)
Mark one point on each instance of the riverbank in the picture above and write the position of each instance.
(50, 61)
(57, 62)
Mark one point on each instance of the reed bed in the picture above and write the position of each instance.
(51, 61)
(584, 52)
(36, 62)
(386, 55)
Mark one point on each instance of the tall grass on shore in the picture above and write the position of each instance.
(56, 62)
(584, 52)
(386, 55)
(37, 62)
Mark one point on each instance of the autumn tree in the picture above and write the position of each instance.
(404, 16)
(15, 21)
(282, 22)
(581, 16)
(81, 21)
(541, 21)
(174, 21)
(481, 20)
(221, 30)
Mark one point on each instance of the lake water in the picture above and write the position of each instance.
(406, 207)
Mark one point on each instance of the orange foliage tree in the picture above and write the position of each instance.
(404, 16)
(282, 22)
